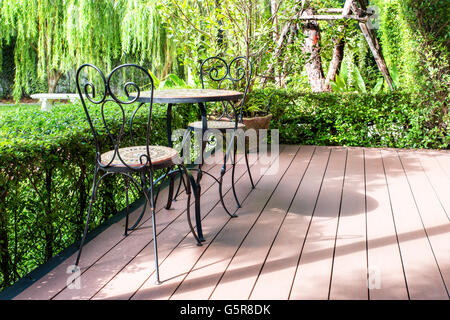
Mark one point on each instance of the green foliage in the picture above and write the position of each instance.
(46, 171)
(342, 83)
(398, 119)
(228, 28)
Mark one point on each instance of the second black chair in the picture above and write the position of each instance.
(216, 73)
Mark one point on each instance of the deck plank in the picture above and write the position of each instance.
(313, 276)
(422, 273)
(444, 161)
(432, 213)
(242, 271)
(385, 269)
(277, 275)
(349, 278)
(175, 273)
(438, 179)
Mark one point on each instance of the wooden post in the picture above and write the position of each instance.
(373, 43)
(347, 8)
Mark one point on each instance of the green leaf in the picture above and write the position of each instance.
(341, 83)
(156, 81)
(359, 80)
(378, 86)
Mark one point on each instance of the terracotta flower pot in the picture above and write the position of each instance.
(256, 123)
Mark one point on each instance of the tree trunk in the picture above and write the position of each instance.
(273, 11)
(53, 77)
(311, 48)
(335, 63)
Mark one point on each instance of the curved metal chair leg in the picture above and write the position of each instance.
(248, 169)
(86, 226)
(188, 206)
(171, 188)
(183, 142)
(232, 215)
(232, 176)
(143, 208)
(127, 184)
(150, 200)
(198, 219)
(179, 187)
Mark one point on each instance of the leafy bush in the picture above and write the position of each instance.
(46, 171)
(401, 120)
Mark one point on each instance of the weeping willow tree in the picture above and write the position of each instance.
(40, 49)
(55, 36)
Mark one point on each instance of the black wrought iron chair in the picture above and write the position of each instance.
(216, 73)
(135, 163)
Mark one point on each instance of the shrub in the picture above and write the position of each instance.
(400, 120)
(46, 171)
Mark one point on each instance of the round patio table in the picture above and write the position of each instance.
(189, 96)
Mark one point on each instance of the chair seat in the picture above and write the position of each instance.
(215, 124)
(132, 156)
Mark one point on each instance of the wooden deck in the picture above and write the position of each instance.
(322, 223)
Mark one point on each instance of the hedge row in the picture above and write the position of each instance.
(399, 120)
(46, 171)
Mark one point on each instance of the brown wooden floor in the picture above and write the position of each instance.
(321, 221)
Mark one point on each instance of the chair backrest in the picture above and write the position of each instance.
(127, 93)
(237, 74)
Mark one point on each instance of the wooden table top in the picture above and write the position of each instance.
(190, 95)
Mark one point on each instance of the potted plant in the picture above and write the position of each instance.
(256, 114)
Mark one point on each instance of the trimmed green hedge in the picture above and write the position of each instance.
(399, 120)
(46, 171)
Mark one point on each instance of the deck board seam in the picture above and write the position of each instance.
(366, 225)
(337, 224)
(309, 225)
(395, 226)
(434, 189)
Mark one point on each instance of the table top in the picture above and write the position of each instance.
(190, 95)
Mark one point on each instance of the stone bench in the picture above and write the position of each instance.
(45, 97)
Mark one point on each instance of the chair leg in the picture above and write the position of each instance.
(183, 143)
(232, 215)
(127, 185)
(150, 201)
(170, 196)
(188, 205)
(144, 207)
(248, 169)
(91, 202)
(179, 187)
(232, 176)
